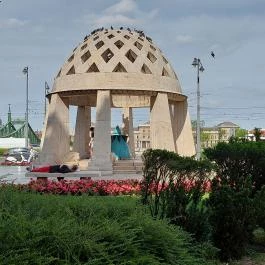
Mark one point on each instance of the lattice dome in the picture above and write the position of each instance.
(117, 59)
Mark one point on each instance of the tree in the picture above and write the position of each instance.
(257, 134)
(241, 133)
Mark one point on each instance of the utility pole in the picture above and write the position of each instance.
(45, 99)
(26, 130)
(197, 63)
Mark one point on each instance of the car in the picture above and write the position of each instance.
(18, 152)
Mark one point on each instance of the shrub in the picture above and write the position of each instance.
(2, 151)
(50, 229)
(237, 161)
(231, 219)
(259, 236)
(173, 187)
(259, 203)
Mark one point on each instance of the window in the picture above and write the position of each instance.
(138, 45)
(145, 69)
(152, 47)
(111, 36)
(119, 44)
(84, 46)
(151, 57)
(85, 56)
(131, 56)
(71, 71)
(92, 68)
(107, 55)
(99, 44)
(119, 68)
(71, 58)
(164, 72)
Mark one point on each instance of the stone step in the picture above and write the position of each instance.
(128, 165)
(126, 172)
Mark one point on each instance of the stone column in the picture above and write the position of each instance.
(161, 132)
(82, 128)
(101, 157)
(45, 122)
(182, 129)
(127, 117)
(56, 141)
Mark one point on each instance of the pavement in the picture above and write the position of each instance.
(19, 175)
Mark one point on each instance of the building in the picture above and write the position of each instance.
(227, 130)
(116, 68)
(210, 136)
(142, 137)
(15, 128)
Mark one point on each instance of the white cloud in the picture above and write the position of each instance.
(115, 20)
(123, 13)
(124, 6)
(12, 23)
(184, 39)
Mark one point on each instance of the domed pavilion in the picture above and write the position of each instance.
(115, 68)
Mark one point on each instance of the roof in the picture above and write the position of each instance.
(227, 124)
(120, 59)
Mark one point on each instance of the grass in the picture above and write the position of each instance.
(254, 258)
(50, 229)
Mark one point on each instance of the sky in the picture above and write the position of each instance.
(42, 35)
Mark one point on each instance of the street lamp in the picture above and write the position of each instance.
(197, 63)
(45, 99)
(26, 131)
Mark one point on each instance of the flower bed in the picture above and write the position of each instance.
(90, 187)
(94, 187)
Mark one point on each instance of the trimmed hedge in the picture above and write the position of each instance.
(50, 229)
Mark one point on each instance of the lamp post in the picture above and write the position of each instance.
(197, 63)
(26, 131)
(45, 101)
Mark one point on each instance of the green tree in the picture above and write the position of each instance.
(257, 134)
(240, 133)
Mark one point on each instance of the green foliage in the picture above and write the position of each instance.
(173, 187)
(235, 201)
(231, 219)
(257, 134)
(259, 202)
(49, 229)
(240, 133)
(237, 161)
(2, 151)
(259, 236)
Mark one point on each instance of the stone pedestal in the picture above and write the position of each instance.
(128, 128)
(101, 157)
(82, 127)
(160, 124)
(182, 129)
(56, 142)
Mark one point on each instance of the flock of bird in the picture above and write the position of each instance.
(140, 32)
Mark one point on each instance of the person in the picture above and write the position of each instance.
(54, 169)
(91, 143)
(32, 154)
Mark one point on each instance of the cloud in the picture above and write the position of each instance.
(12, 23)
(184, 39)
(124, 6)
(223, 34)
(117, 19)
(125, 12)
